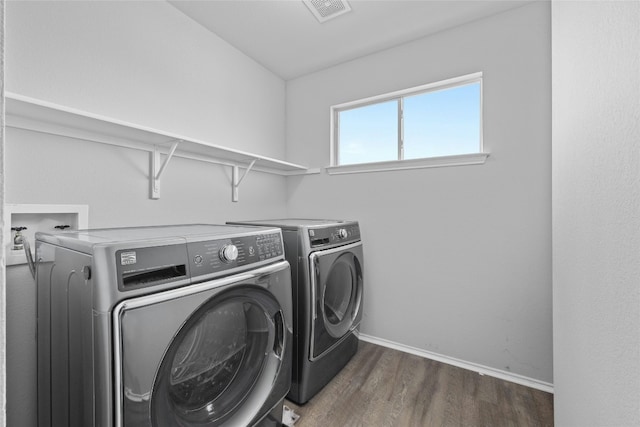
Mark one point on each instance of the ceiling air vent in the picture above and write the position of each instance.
(324, 10)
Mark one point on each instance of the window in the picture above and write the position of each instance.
(430, 125)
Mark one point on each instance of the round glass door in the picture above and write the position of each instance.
(342, 295)
(215, 359)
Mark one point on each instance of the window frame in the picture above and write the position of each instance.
(400, 162)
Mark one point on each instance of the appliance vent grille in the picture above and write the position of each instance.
(324, 10)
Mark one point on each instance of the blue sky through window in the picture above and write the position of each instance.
(369, 134)
(439, 123)
(442, 123)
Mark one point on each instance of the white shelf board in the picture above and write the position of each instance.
(41, 116)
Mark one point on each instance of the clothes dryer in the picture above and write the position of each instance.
(327, 263)
(163, 326)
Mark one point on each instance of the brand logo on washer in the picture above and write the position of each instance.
(127, 258)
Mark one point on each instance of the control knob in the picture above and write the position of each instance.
(229, 253)
(342, 233)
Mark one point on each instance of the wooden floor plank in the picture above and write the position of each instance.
(383, 387)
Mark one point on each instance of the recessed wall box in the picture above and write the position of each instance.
(33, 218)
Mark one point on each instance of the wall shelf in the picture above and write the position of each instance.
(41, 116)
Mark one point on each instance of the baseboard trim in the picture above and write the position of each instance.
(480, 369)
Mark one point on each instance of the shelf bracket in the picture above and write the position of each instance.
(237, 179)
(157, 169)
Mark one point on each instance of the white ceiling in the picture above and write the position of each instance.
(286, 38)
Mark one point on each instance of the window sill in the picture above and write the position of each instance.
(429, 162)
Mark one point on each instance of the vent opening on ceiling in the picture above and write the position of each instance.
(324, 10)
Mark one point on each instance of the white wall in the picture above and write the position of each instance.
(145, 63)
(457, 259)
(3, 295)
(596, 213)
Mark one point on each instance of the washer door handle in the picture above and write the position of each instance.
(278, 342)
(315, 279)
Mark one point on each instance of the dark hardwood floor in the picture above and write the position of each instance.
(386, 387)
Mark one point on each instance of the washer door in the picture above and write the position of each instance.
(336, 285)
(217, 364)
(216, 359)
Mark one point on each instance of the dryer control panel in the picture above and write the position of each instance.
(336, 235)
(217, 256)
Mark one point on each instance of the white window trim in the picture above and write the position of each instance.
(427, 162)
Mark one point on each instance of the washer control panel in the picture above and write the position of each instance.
(335, 235)
(214, 256)
(229, 253)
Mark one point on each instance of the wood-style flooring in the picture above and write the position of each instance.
(386, 387)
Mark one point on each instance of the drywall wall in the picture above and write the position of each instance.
(457, 259)
(596, 213)
(3, 278)
(145, 63)
(148, 64)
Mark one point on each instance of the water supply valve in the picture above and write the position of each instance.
(18, 238)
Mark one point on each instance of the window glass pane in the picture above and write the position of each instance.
(369, 134)
(442, 123)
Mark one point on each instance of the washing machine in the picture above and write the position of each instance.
(327, 262)
(187, 325)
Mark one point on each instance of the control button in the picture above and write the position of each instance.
(197, 259)
(228, 253)
(342, 233)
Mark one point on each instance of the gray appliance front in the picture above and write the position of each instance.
(336, 277)
(204, 355)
